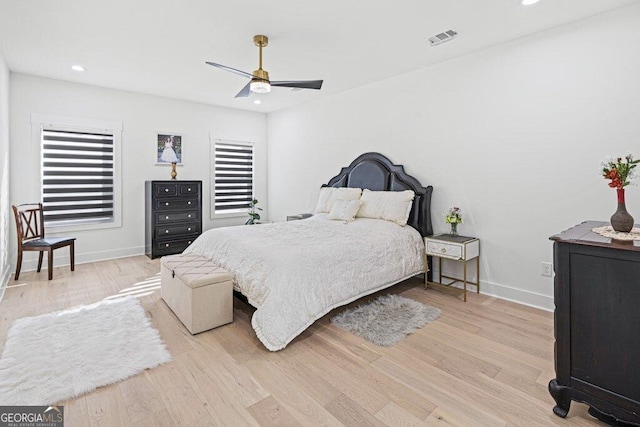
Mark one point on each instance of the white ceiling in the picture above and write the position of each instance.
(160, 46)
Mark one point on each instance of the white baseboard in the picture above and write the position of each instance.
(61, 257)
(520, 296)
(508, 293)
(531, 299)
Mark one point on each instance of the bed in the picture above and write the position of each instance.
(296, 272)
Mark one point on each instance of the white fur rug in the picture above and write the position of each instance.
(57, 356)
(387, 319)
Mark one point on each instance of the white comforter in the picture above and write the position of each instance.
(296, 272)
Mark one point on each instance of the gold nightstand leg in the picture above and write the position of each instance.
(464, 269)
(478, 274)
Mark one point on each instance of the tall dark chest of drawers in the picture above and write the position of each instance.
(597, 321)
(173, 216)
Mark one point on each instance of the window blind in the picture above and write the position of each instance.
(77, 176)
(233, 187)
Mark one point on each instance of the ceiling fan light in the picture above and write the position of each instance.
(259, 86)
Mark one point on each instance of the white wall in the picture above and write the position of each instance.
(5, 207)
(513, 134)
(142, 116)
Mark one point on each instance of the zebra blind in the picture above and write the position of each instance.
(77, 177)
(233, 186)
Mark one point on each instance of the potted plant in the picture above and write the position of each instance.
(254, 216)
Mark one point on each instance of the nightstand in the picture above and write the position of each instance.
(456, 248)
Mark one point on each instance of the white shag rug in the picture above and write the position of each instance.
(58, 356)
(387, 319)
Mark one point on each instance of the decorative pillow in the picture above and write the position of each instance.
(389, 205)
(344, 210)
(328, 195)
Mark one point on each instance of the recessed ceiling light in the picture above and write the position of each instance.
(529, 2)
(77, 68)
(257, 101)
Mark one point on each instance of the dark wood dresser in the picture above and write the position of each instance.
(597, 324)
(173, 216)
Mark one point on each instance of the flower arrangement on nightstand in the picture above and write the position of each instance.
(453, 218)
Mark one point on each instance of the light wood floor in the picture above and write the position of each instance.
(483, 363)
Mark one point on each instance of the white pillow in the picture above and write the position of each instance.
(328, 195)
(344, 210)
(392, 206)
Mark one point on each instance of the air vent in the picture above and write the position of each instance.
(442, 37)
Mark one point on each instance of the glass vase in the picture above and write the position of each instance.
(454, 229)
(621, 220)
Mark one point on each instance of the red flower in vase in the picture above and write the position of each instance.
(615, 179)
(620, 171)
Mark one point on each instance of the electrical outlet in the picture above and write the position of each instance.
(546, 269)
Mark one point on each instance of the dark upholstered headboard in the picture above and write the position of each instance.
(375, 172)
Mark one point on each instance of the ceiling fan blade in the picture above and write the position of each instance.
(245, 92)
(302, 84)
(232, 70)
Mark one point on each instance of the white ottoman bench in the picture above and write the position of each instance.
(199, 292)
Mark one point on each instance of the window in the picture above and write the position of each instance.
(233, 177)
(80, 183)
(77, 177)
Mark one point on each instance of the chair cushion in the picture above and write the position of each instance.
(48, 241)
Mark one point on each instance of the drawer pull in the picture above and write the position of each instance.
(166, 245)
(166, 204)
(189, 216)
(166, 231)
(166, 217)
(189, 189)
(443, 250)
(189, 229)
(189, 202)
(189, 242)
(166, 190)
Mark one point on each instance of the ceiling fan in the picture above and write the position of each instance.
(260, 82)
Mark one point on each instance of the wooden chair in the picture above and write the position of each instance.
(30, 228)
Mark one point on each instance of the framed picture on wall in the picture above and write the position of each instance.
(169, 148)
